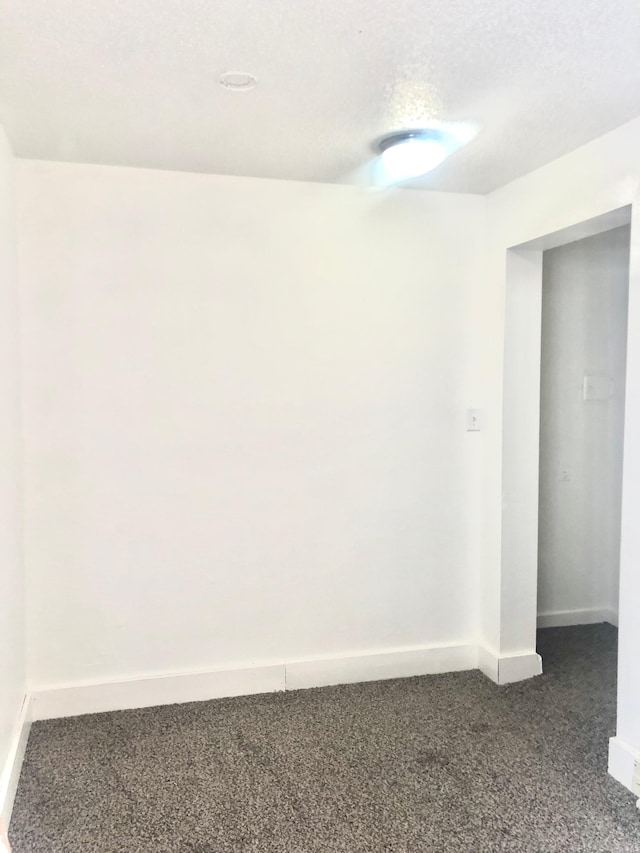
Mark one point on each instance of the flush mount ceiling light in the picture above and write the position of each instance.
(409, 154)
(237, 81)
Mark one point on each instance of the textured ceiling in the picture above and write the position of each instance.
(134, 82)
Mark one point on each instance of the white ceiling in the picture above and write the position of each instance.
(134, 82)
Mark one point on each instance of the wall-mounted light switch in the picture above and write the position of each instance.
(474, 420)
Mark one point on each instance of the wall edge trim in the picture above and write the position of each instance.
(10, 775)
(506, 669)
(584, 616)
(97, 697)
(623, 759)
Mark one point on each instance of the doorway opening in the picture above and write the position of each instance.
(521, 476)
(585, 294)
(521, 428)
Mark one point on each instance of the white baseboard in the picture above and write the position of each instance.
(622, 762)
(509, 668)
(92, 698)
(610, 616)
(588, 616)
(13, 764)
(376, 667)
(75, 699)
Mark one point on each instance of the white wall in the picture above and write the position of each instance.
(625, 747)
(599, 177)
(276, 444)
(584, 332)
(244, 420)
(12, 615)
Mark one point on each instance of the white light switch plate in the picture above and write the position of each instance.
(474, 420)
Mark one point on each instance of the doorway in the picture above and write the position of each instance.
(520, 473)
(585, 291)
(521, 439)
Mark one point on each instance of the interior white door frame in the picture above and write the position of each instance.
(521, 425)
(520, 455)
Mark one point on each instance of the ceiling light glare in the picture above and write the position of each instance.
(238, 81)
(412, 158)
(409, 154)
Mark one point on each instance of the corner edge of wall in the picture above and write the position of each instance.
(13, 765)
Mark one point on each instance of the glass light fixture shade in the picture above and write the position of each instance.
(409, 154)
(412, 158)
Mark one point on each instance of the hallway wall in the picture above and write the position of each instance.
(598, 178)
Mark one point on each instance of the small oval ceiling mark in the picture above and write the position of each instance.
(238, 81)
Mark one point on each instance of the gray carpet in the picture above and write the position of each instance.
(438, 764)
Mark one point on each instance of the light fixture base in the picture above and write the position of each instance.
(389, 140)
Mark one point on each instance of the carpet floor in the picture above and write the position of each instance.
(437, 763)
